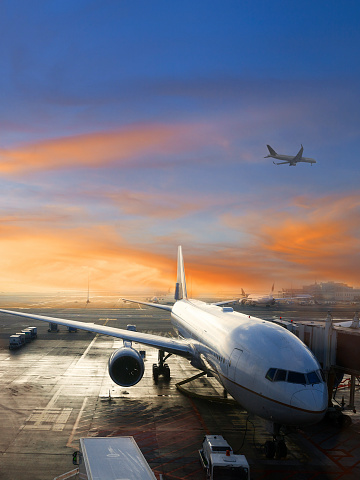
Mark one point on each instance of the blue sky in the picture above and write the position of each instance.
(128, 128)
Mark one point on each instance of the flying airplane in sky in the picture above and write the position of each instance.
(266, 368)
(289, 159)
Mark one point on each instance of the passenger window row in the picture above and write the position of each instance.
(279, 375)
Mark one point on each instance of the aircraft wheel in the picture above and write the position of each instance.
(166, 371)
(155, 372)
(344, 421)
(281, 449)
(270, 449)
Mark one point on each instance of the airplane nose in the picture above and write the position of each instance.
(312, 400)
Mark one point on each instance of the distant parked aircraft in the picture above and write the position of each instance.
(267, 300)
(289, 159)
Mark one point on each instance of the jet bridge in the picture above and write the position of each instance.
(335, 346)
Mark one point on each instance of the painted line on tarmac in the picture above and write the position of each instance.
(71, 438)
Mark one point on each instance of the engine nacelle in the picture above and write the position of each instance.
(126, 367)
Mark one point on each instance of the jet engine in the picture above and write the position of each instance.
(126, 367)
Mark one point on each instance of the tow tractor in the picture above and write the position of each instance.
(220, 462)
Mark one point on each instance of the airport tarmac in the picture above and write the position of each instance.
(56, 389)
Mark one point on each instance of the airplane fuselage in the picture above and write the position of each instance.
(292, 160)
(268, 301)
(240, 351)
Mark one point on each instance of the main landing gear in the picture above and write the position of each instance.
(161, 368)
(277, 447)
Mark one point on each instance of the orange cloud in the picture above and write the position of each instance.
(41, 260)
(318, 239)
(96, 149)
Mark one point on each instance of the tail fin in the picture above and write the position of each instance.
(298, 156)
(271, 150)
(180, 288)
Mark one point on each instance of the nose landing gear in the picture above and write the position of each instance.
(277, 447)
(161, 368)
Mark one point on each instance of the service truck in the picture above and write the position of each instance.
(15, 342)
(33, 331)
(28, 335)
(220, 462)
(111, 458)
(22, 336)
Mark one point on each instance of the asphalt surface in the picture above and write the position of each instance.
(56, 390)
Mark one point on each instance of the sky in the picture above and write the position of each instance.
(128, 128)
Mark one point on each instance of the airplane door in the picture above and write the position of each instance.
(234, 358)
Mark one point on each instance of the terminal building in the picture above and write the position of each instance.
(327, 292)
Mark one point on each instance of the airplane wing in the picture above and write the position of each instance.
(171, 345)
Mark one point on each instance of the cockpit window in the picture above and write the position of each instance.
(271, 373)
(279, 375)
(296, 377)
(313, 378)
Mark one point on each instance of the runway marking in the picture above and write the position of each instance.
(88, 348)
(49, 418)
(92, 342)
(69, 442)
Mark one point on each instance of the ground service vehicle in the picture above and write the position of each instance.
(111, 458)
(28, 335)
(33, 331)
(15, 342)
(220, 462)
(22, 336)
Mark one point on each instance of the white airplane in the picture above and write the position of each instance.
(248, 299)
(289, 159)
(266, 368)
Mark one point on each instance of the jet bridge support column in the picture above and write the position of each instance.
(351, 405)
(329, 373)
(327, 343)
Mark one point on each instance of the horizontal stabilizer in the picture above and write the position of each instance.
(224, 302)
(149, 304)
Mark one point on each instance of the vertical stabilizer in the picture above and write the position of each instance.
(271, 151)
(180, 289)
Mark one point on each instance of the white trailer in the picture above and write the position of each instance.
(111, 458)
(220, 462)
